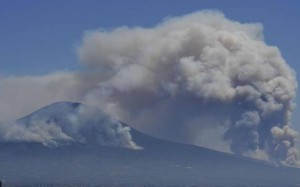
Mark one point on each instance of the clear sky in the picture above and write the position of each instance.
(39, 37)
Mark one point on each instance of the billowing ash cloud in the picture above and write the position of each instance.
(64, 123)
(171, 79)
(176, 80)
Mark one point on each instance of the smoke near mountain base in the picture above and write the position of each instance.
(176, 80)
(64, 123)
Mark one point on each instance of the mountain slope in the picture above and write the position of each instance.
(159, 163)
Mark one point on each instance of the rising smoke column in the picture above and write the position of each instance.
(195, 72)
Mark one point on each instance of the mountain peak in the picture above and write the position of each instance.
(67, 142)
(67, 122)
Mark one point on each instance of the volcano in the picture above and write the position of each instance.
(93, 152)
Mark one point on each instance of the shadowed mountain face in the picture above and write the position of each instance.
(92, 162)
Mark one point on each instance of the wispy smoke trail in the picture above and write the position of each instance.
(177, 79)
(60, 123)
(64, 123)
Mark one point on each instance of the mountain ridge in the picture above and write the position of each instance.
(159, 163)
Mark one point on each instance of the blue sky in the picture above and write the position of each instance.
(39, 37)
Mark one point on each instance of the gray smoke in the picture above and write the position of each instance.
(176, 80)
(19, 96)
(170, 80)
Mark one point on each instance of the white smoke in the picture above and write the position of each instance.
(64, 123)
(20, 96)
(175, 80)
(192, 68)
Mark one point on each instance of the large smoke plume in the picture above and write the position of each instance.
(169, 79)
(188, 74)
